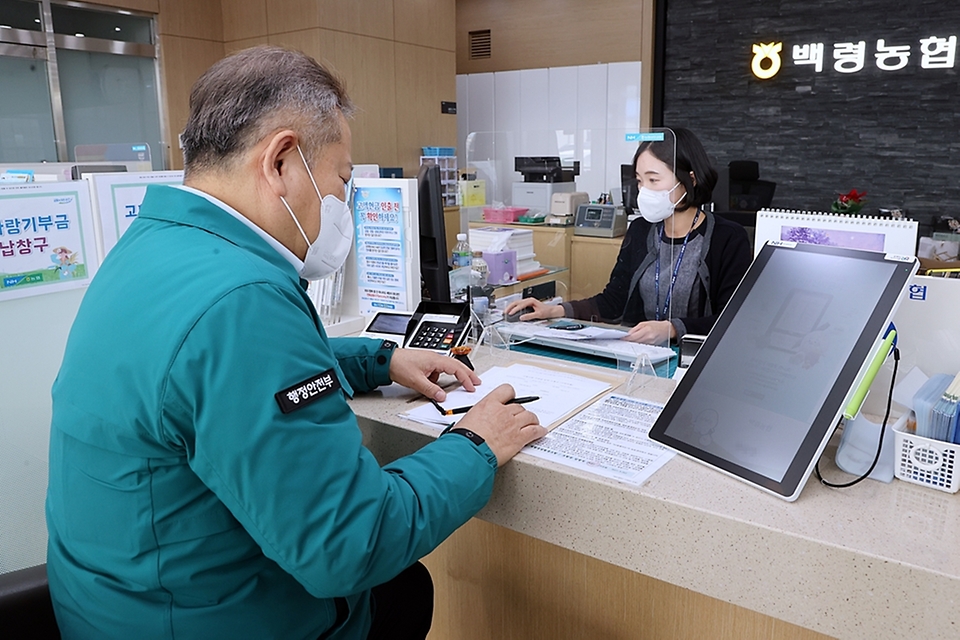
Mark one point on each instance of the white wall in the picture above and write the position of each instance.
(578, 113)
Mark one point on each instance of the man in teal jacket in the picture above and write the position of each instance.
(207, 477)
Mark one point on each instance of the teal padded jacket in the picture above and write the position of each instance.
(182, 502)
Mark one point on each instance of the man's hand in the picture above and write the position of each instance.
(507, 428)
(419, 370)
(658, 332)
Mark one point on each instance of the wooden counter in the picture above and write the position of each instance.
(560, 553)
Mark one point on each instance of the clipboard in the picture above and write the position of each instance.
(545, 378)
(615, 379)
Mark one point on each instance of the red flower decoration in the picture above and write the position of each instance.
(852, 196)
(850, 202)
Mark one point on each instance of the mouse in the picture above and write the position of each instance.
(515, 317)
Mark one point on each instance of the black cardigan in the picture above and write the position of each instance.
(723, 261)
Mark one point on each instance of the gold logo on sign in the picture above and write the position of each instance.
(763, 52)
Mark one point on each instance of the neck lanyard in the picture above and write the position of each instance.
(676, 268)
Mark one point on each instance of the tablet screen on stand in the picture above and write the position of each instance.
(767, 388)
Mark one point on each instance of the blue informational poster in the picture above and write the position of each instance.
(380, 241)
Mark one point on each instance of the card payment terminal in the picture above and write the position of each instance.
(435, 326)
(438, 326)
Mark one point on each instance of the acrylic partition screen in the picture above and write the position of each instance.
(490, 156)
(110, 99)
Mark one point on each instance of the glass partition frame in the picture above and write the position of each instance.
(490, 157)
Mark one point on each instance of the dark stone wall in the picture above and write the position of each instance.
(894, 134)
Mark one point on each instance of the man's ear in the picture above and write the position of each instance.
(277, 157)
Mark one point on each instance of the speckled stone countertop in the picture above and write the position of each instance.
(872, 561)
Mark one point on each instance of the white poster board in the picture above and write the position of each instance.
(117, 198)
(387, 244)
(47, 238)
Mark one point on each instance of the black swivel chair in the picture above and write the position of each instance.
(747, 191)
(25, 607)
(740, 192)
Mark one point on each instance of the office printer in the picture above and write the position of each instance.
(542, 177)
(545, 169)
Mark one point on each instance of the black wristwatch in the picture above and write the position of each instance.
(386, 345)
(466, 433)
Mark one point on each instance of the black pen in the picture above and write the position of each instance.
(459, 410)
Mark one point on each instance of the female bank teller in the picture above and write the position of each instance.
(678, 264)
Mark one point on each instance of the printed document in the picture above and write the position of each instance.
(609, 439)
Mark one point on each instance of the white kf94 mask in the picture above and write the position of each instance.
(329, 251)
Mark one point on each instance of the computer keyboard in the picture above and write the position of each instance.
(613, 349)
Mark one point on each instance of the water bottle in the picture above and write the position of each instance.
(460, 274)
(481, 270)
(462, 256)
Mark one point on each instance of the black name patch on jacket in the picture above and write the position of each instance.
(310, 390)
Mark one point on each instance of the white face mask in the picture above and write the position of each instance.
(329, 251)
(656, 206)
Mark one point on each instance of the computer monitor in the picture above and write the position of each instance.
(433, 240)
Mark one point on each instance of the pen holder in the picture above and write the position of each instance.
(462, 354)
(858, 447)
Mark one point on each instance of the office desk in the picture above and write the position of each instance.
(559, 553)
(591, 261)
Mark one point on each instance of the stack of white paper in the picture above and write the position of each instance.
(560, 394)
(527, 266)
(519, 240)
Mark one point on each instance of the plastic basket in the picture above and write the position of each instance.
(439, 151)
(503, 214)
(931, 463)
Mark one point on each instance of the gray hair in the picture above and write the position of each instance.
(249, 94)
